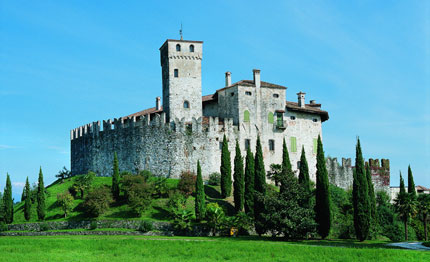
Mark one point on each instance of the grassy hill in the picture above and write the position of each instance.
(118, 210)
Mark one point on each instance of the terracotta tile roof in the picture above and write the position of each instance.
(293, 106)
(422, 188)
(208, 98)
(145, 112)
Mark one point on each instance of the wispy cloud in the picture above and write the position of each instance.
(7, 147)
(59, 149)
(18, 184)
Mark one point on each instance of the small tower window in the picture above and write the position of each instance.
(246, 116)
(315, 120)
(178, 47)
(186, 104)
(175, 73)
(271, 145)
(275, 95)
(191, 48)
(248, 93)
(292, 117)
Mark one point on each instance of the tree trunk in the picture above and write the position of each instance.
(406, 229)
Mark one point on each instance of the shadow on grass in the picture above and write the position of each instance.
(160, 214)
(212, 192)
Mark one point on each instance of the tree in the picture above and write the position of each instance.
(260, 189)
(83, 183)
(424, 211)
(225, 169)
(402, 185)
(8, 202)
(65, 201)
(97, 201)
(63, 174)
(239, 180)
(405, 205)
(360, 197)
(411, 184)
(115, 177)
(27, 204)
(200, 194)
(41, 197)
(304, 179)
(322, 194)
(187, 183)
(249, 183)
(215, 216)
(371, 191)
(286, 164)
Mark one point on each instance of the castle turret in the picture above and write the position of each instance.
(182, 79)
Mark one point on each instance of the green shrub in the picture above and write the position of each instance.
(97, 201)
(145, 226)
(138, 193)
(215, 216)
(187, 183)
(93, 225)
(182, 221)
(3, 227)
(214, 179)
(427, 244)
(44, 227)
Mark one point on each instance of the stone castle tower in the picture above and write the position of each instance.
(181, 63)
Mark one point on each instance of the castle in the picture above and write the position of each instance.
(170, 138)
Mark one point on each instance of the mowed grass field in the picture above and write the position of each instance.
(140, 248)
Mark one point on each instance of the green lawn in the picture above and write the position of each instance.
(139, 248)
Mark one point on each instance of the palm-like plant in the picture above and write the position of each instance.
(406, 207)
(424, 211)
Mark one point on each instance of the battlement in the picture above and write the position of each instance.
(214, 124)
(374, 164)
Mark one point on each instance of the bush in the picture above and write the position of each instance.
(93, 225)
(3, 227)
(215, 216)
(427, 244)
(145, 226)
(187, 183)
(176, 201)
(44, 227)
(97, 201)
(138, 193)
(65, 201)
(182, 221)
(214, 179)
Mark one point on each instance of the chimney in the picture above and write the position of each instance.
(301, 99)
(157, 103)
(227, 79)
(313, 102)
(257, 80)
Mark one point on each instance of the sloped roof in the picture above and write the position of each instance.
(309, 108)
(251, 83)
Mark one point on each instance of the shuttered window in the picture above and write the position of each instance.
(315, 145)
(246, 116)
(270, 118)
(293, 141)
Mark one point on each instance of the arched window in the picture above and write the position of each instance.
(178, 47)
(246, 116)
(191, 48)
(175, 73)
(270, 118)
(186, 104)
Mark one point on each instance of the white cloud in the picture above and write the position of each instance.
(18, 184)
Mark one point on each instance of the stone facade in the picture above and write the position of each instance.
(342, 175)
(171, 139)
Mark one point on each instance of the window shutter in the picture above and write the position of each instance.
(315, 145)
(293, 144)
(246, 116)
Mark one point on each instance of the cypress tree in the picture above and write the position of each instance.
(360, 197)
(286, 165)
(41, 197)
(260, 189)
(304, 179)
(239, 180)
(402, 185)
(411, 184)
(115, 177)
(27, 204)
(371, 191)
(200, 194)
(8, 202)
(322, 194)
(225, 169)
(249, 183)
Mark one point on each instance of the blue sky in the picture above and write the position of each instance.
(67, 63)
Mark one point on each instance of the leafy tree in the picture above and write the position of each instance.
(286, 164)
(411, 184)
(360, 196)
(65, 201)
(275, 173)
(225, 169)
(304, 179)
(8, 202)
(239, 180)
(41, 197)
(138, 192)
(27, 204)
(97, 201)
(187, 183)
(63, 174)
(215, 216)
(200, 194)
(260, 189)
(424, 211)
(405, 205)
(322, 194)
(115, 177)
(83, 183)
(249, 183)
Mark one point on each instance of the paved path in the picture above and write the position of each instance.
(410, 245)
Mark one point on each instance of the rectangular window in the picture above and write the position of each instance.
(298, 164)
(279, 119)
(271, 145)
(248, 93)
(293, 141)
(315, 145)
(220, 145)
(247, 143)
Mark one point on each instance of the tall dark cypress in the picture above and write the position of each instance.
(260, 190)
(411, 184)
(8, 202)
(322, 194)
(41, 197)
(304, 179)
(225, 169)
(286, 165)
(200, 207)
(27, 203)
(360, 197)
(249, 183)
(371, 191)
(239, 180)
(115, 177)
(402, 185)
